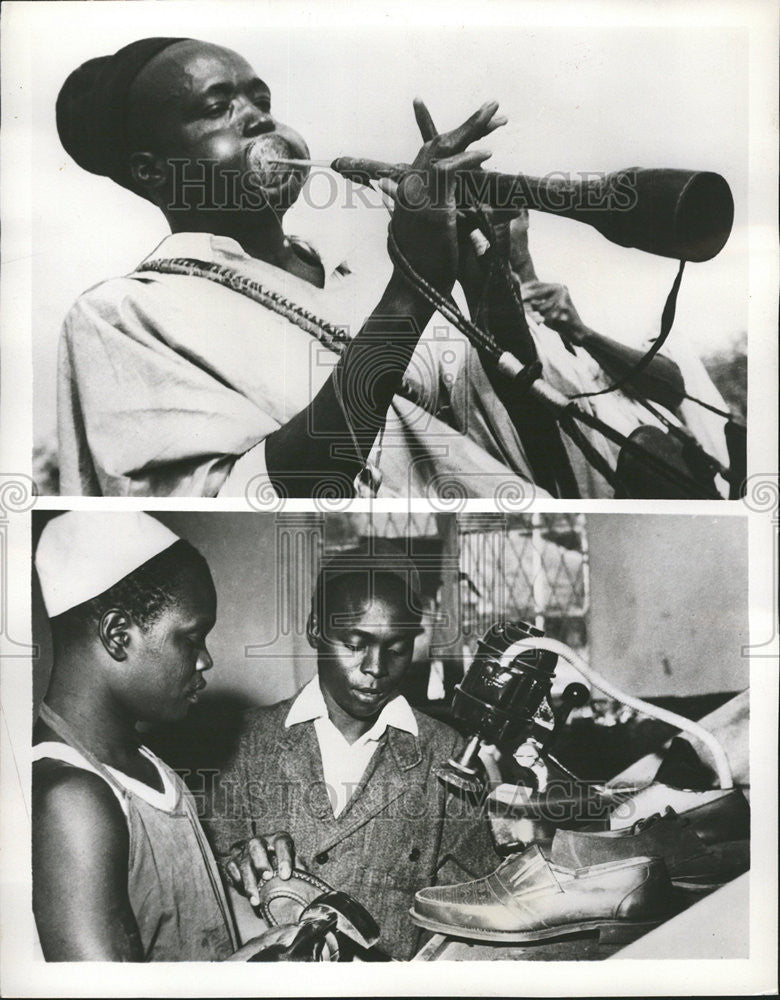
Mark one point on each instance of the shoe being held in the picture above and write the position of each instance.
(529, 899)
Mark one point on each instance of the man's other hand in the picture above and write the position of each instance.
(554, 305)
(261, 858)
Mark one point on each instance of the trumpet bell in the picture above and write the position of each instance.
(682, 214)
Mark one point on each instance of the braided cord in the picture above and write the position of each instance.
(564, 407)
(336, 338)
(333, 337)
(478, 337)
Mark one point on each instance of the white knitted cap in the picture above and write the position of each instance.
(82, 553)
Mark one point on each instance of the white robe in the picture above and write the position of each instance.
(169, 385)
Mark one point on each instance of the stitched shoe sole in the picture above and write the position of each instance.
(613, 931)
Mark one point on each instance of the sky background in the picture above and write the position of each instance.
(580, 96)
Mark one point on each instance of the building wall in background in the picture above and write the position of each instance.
(669, 602)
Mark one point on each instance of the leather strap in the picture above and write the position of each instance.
(667, 319)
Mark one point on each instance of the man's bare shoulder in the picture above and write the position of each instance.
(80, 860)
(66, 797)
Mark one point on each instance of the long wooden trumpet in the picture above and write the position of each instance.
(684, 214)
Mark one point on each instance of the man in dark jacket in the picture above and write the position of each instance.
(347, 765)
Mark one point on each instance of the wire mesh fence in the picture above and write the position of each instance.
(475, 568)
(532, 567)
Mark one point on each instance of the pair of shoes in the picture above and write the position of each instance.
(687, 844)
(620, 882)
(528, 898)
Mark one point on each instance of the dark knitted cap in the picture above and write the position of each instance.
(92, 107)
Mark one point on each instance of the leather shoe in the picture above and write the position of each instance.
(529, 899)
(282, 901)
(722, 819)
(692, 864)
(722, 815)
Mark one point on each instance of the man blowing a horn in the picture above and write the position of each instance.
(238, 358)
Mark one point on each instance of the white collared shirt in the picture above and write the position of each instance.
(343, 763)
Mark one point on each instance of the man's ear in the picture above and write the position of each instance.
(114, 630)
(148, 171)
(313, 633)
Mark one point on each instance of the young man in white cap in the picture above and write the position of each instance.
(121, 868)
(349, 764)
